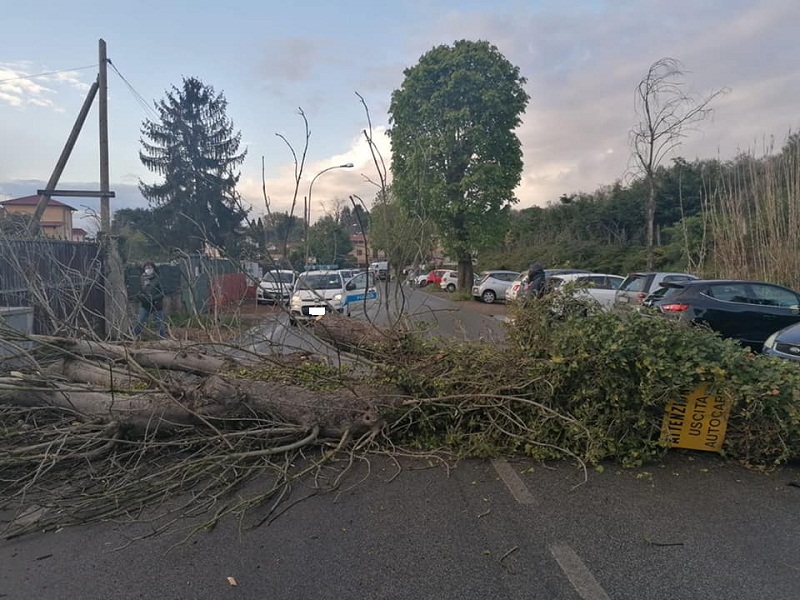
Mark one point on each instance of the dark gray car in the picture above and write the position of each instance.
(784, 343)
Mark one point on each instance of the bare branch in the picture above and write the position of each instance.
(667, 112)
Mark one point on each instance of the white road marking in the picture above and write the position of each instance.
(513, 482)
(578, 574)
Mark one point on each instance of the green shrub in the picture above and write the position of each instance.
(593, 384)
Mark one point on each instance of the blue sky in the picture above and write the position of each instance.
(582, 60)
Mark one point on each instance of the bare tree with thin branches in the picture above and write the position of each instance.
(667, 111)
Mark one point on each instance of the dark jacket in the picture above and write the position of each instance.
(152, 295)
(536, 280)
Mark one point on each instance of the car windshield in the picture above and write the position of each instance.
(634, 283)
(320, 281)
(663, 293)
(277, 277)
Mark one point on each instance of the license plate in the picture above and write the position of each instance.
(316, 310)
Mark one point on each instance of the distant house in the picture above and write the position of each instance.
(78, 234)
(57, 218)
(361, 250)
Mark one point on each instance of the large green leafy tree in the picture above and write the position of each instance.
(456, 158)
(194, 147)
(328, 242)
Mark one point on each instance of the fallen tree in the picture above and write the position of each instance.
(97, 430)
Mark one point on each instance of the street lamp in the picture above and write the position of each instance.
(307, 204)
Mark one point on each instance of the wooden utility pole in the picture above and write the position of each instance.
(33, 228)
(116, 309)
(102, 80)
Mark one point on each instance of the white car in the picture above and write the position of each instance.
(449, 281)
(275, 286)
(601, 287)
(319, 292)
(493, 285)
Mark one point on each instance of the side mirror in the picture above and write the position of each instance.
(350, 286)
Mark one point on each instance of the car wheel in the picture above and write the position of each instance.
(488, 296)
(451, 287)
(292, 321)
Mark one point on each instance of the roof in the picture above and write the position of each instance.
(78, 231)
(703, 282)
(51, 223)
(33, 201)
(574, 276)
(646, 273)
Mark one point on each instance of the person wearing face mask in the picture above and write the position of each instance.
(151, 299)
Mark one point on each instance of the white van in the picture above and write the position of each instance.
(275, 286)
(380, 269)
(319, 292)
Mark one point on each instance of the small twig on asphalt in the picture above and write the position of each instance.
(508, 553)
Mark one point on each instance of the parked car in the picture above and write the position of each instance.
(492, 285)
(416, 277)
(637, 286)
(421, 280)
(784, 343)
(449, 281)
(319, 292)
(512, 293)
(380, 269)
(747, 311)
(349, 273)
(275, 286)
(600, 287)
(520, 284)
(435, 277)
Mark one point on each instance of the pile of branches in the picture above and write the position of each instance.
(98, 430)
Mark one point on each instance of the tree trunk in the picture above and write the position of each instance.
(213, 399)
(466, 275)
(651, 219)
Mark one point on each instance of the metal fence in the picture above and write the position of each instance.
(62, 281)
(195, 283)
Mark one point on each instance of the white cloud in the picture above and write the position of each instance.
(18, 88)
(72, 79)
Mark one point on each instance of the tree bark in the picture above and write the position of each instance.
(167, 358)
(213, 399)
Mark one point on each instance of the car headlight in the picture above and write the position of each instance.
(297, 301)
(770, 343)
(337, 297)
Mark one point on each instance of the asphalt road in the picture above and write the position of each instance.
(690, 527)
(435, 314)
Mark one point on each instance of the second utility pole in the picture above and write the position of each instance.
(105, 211)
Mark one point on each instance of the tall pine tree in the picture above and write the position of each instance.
(193, 146)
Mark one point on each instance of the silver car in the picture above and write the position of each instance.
(492, 286)
(637, 286)
(600, 287)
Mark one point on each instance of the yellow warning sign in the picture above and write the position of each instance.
(697, 422)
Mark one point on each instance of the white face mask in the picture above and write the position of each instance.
(148, 271)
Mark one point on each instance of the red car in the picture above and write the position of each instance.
(435, 276)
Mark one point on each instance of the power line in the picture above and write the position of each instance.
(137, 96)
(94, 66)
